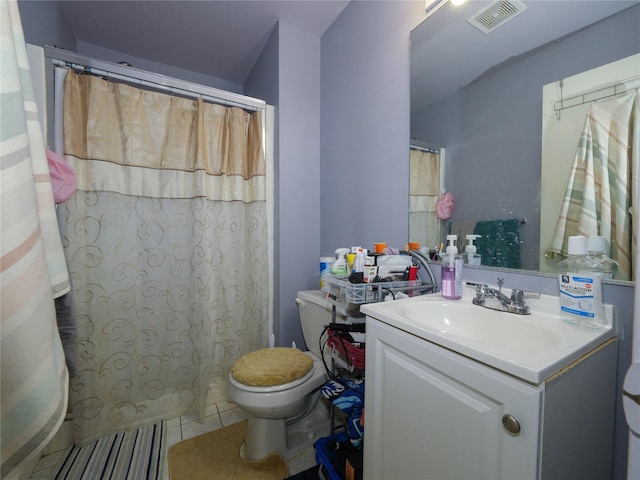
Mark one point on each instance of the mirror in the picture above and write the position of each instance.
(478, 96)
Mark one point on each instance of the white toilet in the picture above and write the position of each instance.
(288, 418)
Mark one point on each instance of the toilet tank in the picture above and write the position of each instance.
(315, 312)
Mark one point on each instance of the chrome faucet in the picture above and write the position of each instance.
(515, 304)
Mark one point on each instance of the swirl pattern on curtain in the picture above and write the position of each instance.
(167, 245)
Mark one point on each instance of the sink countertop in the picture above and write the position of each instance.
(531, 347)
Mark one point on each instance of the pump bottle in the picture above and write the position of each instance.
(580, 287)
(597, 253)
(471, 255)
(451, 271)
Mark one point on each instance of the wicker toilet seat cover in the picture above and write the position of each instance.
(271, 366)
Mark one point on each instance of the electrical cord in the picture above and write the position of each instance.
(322, 346)
(332, 375)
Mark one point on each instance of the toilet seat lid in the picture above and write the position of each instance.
(274, 389)
(270, 367)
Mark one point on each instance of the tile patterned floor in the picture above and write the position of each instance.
(219, 415)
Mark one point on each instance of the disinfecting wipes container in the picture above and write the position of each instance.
(325, 269)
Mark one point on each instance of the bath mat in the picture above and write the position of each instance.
(136, 455)
(216, 456)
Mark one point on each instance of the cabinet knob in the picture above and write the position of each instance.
(510, 424)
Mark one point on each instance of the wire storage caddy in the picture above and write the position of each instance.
(342, 290)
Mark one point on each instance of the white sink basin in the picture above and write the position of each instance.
(482, 324)
(532, 347)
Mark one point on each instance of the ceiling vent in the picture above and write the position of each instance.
(496, 14)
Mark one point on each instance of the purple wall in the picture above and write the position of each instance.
(364, 173)
(287, 75)
(43, 24)
(298, 189)
(106, 54)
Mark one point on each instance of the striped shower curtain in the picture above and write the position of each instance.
(167, 244)
(32, 267)
(600, 195)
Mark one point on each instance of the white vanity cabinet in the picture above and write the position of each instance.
(432, 413)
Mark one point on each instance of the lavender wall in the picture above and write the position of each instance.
(106, 54)
(43, 24)
(262, 82)
(287, 75)
(364, 172)
(298, 189)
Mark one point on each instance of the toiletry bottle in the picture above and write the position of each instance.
(451, 271)
(351, 262)
(471, 255)
(580, 287)
(597, 248)
(339, 268)
(326, 263)
(361, 256)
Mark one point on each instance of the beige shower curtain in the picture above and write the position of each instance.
(424, 191)
(167, 244)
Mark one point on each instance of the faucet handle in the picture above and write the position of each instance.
(482, 289)
(517, 296)
(518, 304)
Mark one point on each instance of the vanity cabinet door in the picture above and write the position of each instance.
(434, 414)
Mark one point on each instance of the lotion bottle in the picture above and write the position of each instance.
(451, 271)
(580, 287)
(471, 255)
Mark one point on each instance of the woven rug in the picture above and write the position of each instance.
(216, 456)
(136, 455)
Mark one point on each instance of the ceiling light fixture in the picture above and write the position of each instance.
(432, 6)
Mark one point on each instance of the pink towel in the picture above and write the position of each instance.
(63, 177)
(444, 206)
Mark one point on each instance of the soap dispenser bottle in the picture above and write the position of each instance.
(471, 255)
(451, 271)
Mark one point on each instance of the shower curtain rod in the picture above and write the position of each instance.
(149, 79)
(612, 90)
(424, 149)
